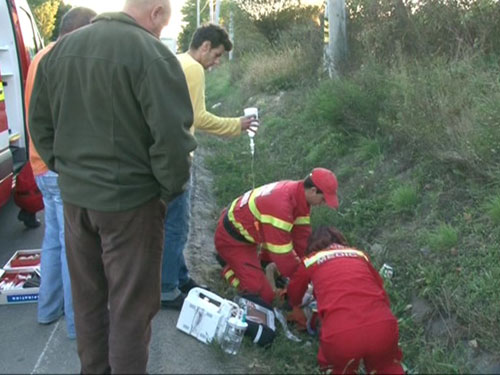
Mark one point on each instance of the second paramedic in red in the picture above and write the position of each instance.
(275, 219)
(356, 318)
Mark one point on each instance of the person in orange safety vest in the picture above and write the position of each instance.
(356, 318)
(274, 219)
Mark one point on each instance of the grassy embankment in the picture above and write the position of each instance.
(416, 148)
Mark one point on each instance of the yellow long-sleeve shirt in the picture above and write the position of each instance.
(204, 120)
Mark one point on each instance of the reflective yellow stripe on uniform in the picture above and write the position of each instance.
(278, 249)
(302, 220)
(228, 274)
(330, 254)
(2, 92)
(237, 225)
(267, 219)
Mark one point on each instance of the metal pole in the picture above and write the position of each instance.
(231, 32)
(197, 13)
(217, 11)
(211, 4)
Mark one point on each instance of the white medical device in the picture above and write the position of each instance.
(204, 315)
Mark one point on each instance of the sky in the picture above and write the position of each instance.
(100, 6)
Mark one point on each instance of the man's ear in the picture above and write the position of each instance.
(158, 12)
(206, 46)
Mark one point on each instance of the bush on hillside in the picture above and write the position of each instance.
(449, 112)
(293, 63)
(272, 17)
(422, 28)
(352, 105)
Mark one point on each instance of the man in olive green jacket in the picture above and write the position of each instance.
(110, 112)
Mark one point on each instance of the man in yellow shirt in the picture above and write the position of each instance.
(208, 45)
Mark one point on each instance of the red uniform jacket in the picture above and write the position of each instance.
(275, 216)
(346, 286)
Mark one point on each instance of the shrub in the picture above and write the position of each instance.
(272, 17)
(275, 70)
(352, 105)
(446, 111)
(421, 28)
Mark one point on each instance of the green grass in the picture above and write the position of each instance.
(369, 148)
(493, 209)
(404, 199)
(443, 238)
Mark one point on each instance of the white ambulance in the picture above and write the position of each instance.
(19, 42)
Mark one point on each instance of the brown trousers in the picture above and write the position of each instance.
(114, 260)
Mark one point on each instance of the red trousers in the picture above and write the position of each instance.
(376, 344)
(26, 194)
(243, 268)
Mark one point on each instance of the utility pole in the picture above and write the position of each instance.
(231, 32)
(197, 13)
(211, 5)
(217, 11)
(337, 48)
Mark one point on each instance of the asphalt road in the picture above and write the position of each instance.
(30, 348)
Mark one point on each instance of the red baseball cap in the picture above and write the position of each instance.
(326, 181)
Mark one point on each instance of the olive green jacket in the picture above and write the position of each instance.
(110, 112)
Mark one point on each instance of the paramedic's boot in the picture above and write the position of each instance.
(219, 259)
(29, 219)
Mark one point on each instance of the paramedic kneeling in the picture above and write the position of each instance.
(274, 217)
(356, 318)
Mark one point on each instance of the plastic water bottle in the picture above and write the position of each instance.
(233, 335)
(252, 112)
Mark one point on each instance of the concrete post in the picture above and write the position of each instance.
(337, 50)
(231, 32)
(197, 13)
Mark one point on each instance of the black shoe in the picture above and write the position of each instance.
(219, 259)
(175, 303)
(29, 219)
(190, 284)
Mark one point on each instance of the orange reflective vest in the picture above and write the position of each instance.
(275, 216)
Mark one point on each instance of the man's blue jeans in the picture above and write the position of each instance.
(174, 271)
(54, 297)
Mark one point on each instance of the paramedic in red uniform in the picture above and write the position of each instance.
(275, 219)
(356, 318)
